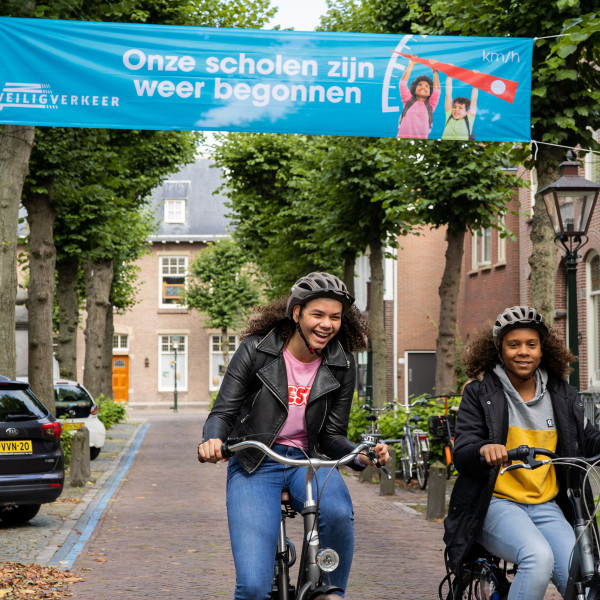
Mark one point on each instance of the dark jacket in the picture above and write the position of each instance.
(483, 419)
(253, 399)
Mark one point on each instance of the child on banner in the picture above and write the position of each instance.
(419, 103)
(460, 114)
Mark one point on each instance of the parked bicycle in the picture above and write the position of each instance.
(441, 428)
(486, 577)
(414, 448)
(315, 561)
(373, 415)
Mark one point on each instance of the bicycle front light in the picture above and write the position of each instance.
(327, 560)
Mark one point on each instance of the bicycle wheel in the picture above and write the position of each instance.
(422, 469)
(405, 461)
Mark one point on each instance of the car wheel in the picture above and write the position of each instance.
(18, 513)
(94, 452)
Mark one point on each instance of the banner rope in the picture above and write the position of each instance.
(577, 149)
(549, 37)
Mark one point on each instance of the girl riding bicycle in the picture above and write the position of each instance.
(518, 396)
(290, 385)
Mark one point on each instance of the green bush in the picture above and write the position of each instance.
(66, 440)
(392, 422)
(110, 412)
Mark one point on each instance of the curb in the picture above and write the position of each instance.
(65, 545)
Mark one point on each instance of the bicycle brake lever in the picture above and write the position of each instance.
(383, 470)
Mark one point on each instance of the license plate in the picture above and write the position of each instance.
(72, 426)
(16, 447)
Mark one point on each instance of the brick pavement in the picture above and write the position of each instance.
(164, 534)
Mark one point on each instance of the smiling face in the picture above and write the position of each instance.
(521, 353)
(423, 90)
(459, 110)
(320, 320)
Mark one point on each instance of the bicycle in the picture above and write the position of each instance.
(314, 560)
(441, 428)
(374, 413)
(487, 577)
(414, 448)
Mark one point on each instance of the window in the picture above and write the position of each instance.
(120, 341)
(481, 248)
(593, 277)
(172, 364)
(173, 270)
(501, 243)
(174, 211)
(216, 359)
(591, 163)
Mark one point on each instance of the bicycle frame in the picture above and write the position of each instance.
(310, 576)
(584, 570)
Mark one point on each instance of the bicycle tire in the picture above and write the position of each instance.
(405, 461)
(422, 469)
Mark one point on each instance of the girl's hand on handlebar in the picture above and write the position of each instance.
(382, 454)
(210, 451)
(495, 454)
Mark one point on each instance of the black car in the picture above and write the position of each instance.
(31, 456)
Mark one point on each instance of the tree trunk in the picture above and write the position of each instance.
(445, 380)
(15, 148)
(40, 304)
(108, 353)
(68, 315)
(349, 265)
(376, 319)
(98, 282)
(543, 253)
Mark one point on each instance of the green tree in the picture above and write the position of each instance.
(565, 103)
(221, 287)
(462, 187)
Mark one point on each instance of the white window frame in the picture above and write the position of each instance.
(161, 274)
(481, 241)
(120, 341)
(166, 360)
(501, 258)
(593, 326)
(592, 168)
(174, 210)
(214, 357)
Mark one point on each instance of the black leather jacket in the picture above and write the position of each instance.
(253, 399)
(483, 419)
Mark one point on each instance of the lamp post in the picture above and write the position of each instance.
(175, 343)
(570, 204)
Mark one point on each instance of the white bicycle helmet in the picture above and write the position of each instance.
(518, 317)
(318, 285)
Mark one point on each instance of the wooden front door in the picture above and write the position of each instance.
(120, 378)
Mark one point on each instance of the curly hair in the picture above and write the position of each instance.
(353, 333)
(415, 82)
(482, 356)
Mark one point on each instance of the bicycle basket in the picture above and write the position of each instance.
(437, 425)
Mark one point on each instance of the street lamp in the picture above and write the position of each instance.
(570, 204)
(175, 344)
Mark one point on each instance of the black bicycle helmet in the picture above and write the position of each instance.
(518, 317)
(318, 285)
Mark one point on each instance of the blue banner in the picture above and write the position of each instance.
(132, 76)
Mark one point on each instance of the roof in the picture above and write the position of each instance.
(205, 211)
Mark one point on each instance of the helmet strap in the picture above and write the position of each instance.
(310, 348)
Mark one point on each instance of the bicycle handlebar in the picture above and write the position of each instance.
(528, 454)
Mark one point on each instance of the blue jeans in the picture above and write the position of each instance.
(537, 538)
(254, 514)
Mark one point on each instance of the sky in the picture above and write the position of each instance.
(302, 15)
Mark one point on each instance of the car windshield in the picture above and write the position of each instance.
(72, 401)
(20, 405)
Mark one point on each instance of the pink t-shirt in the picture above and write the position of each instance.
(300, 376)
(415, 123)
